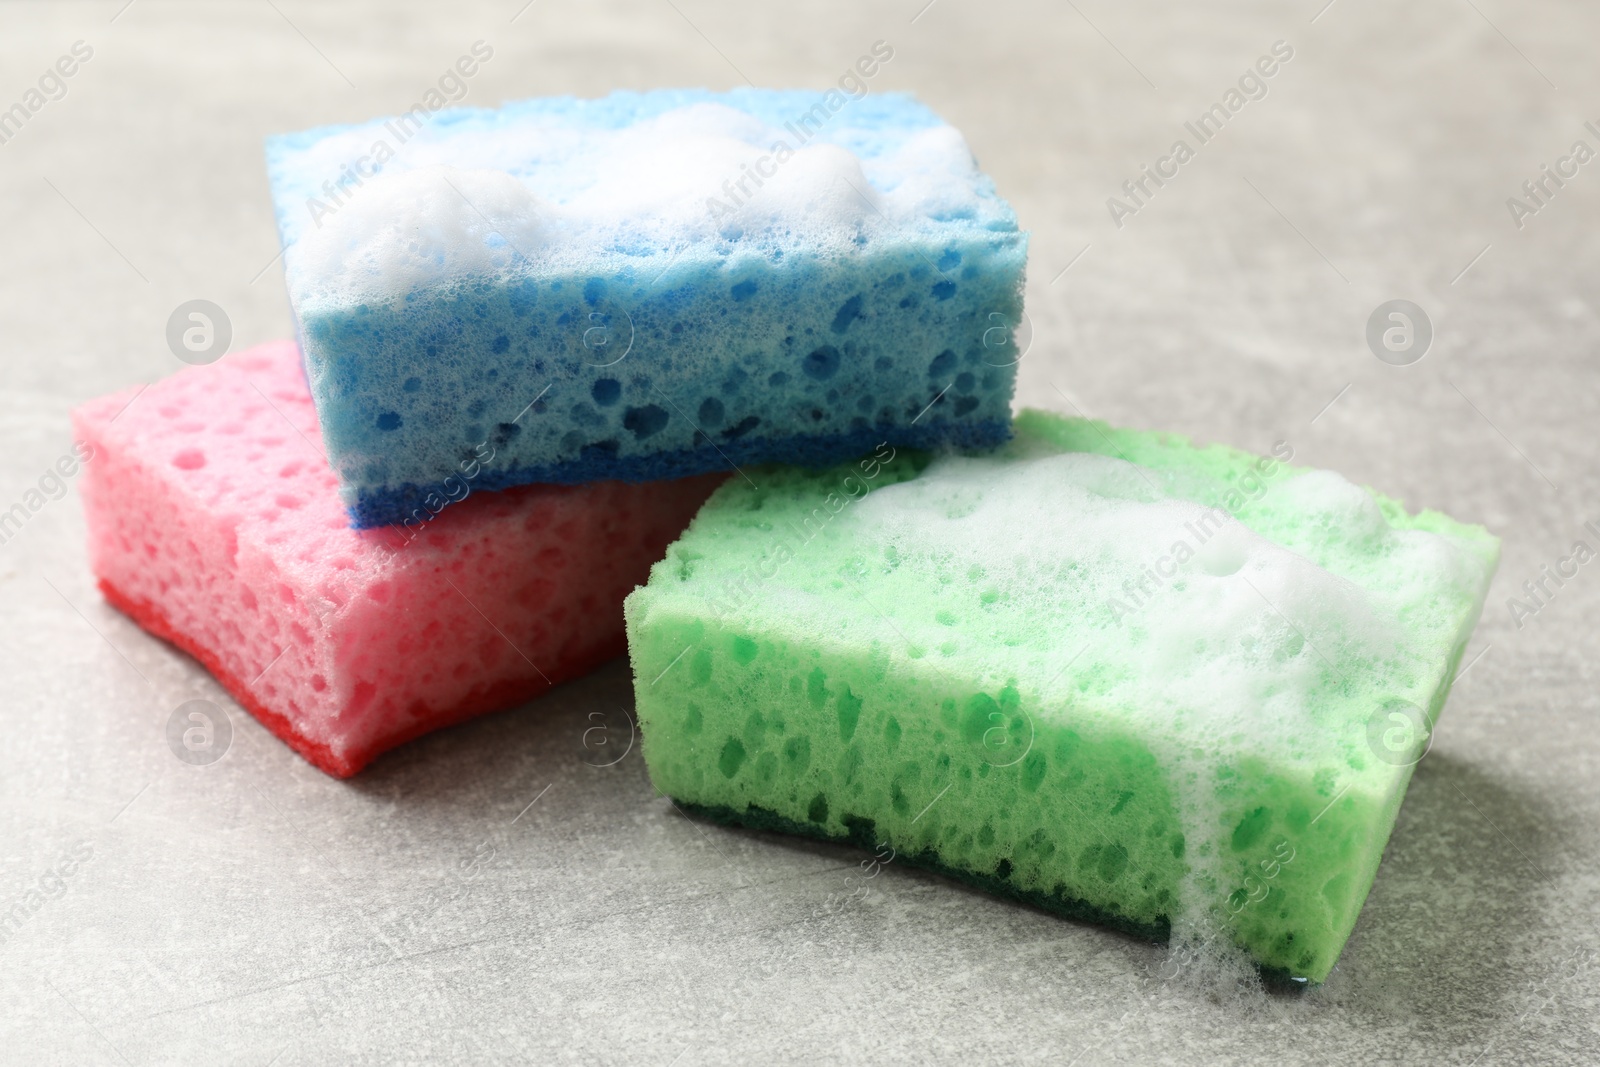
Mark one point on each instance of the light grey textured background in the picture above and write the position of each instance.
(255, 911)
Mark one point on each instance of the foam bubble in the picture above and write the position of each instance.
(931, 174)
(411, 228)
(1214, 622)
(820, 194)
(705, 174)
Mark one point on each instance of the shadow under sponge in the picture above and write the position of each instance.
(215, 523)
(1177, 689)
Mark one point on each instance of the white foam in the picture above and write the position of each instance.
(411, 227)
(1223, 636)
(451, 200)
(935, 170)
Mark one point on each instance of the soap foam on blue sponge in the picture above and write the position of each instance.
(643, 286)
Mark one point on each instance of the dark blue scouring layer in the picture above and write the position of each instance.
(410, 503)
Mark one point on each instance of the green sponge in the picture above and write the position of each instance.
(1179, 690)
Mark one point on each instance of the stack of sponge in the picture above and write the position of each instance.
(531, 341)
(1109, 673)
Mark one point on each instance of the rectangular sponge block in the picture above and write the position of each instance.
(214, 522)
(1179, 690)
(644, 286)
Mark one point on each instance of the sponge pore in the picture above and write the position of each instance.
(645, 286)
(1175, 689)
(214, 521)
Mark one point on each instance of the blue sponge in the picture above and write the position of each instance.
(643, 286)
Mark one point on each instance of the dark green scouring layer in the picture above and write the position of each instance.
(862, 834)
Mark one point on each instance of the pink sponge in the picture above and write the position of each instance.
(215, 522)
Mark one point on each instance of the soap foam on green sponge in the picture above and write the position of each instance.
(1179, 690)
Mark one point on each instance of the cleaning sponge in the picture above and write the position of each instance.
(1171, 688)
(644, 286)
(214, 522)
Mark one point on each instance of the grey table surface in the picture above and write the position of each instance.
(255, 911)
